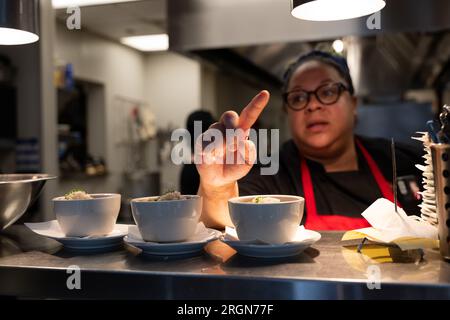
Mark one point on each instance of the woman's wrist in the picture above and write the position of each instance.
(218, 192)
(215, 204)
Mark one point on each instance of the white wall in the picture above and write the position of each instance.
(118, 68)
(209, 89)
(173, 90)
(172, 87)
(167, 82)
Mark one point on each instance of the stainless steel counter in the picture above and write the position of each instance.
(33, 266)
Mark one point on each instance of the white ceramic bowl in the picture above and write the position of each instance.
(274, 223)
(90, 217)
(167, 221)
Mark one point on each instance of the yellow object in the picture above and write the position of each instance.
(403, 243)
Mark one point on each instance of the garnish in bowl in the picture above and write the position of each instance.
(261, 199)
(77, 194)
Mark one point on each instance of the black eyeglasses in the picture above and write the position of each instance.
(326, 94)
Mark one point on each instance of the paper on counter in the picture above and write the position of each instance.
(51, 229)
(408, 232)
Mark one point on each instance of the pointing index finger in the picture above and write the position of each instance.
(251, 112)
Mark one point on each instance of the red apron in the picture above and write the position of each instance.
(315, 221)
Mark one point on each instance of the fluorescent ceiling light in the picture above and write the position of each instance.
(59, 4)
(331, 10)
(10, 36)
(154, 42)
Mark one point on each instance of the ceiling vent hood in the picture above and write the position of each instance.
(384, 66)
(206, 24)
(409, 51)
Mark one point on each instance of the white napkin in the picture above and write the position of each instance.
(300, 236)
(52, 229)
(47, 229)
(408, 232)
(201, 234)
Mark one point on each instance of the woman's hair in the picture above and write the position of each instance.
(337, 62)
(206, 119)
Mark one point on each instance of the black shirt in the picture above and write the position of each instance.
(189, 179)
(340, 193)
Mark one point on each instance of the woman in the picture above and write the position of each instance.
(338, 173)
(189, 178)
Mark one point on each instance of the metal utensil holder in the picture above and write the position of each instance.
(440, 154)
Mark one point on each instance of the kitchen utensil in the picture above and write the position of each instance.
(17, 193)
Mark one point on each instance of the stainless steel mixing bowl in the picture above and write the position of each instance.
(17, 193)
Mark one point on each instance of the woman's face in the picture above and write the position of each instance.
(321, 130)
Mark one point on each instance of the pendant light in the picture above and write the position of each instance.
(18, 22)
(332, 10)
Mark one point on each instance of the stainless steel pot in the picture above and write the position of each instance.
(17, 193)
